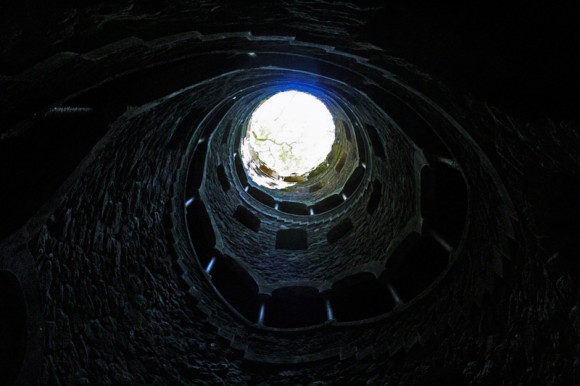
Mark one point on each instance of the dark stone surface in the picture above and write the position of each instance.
(113, 293)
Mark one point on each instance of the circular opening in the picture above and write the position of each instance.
(288, 136)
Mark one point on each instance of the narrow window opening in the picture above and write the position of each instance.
(375, 141)
(196, 171)
(354, 181)
(340, 163)
(294, 208)
(200, 229)
(240, 170)
(291, 239)
(247, 218)
(223, 178)
(375, 197)
(339, 231)
(346, 131)
(259, 195)
(315, 188)
(328, 203)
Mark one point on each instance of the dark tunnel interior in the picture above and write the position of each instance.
(155, 229)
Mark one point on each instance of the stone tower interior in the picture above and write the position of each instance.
(158, 227)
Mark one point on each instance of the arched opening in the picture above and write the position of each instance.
(292, 307)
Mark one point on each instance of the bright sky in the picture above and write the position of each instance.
(292, 132)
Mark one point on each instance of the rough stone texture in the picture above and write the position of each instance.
(114, 308)
(321, 264)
